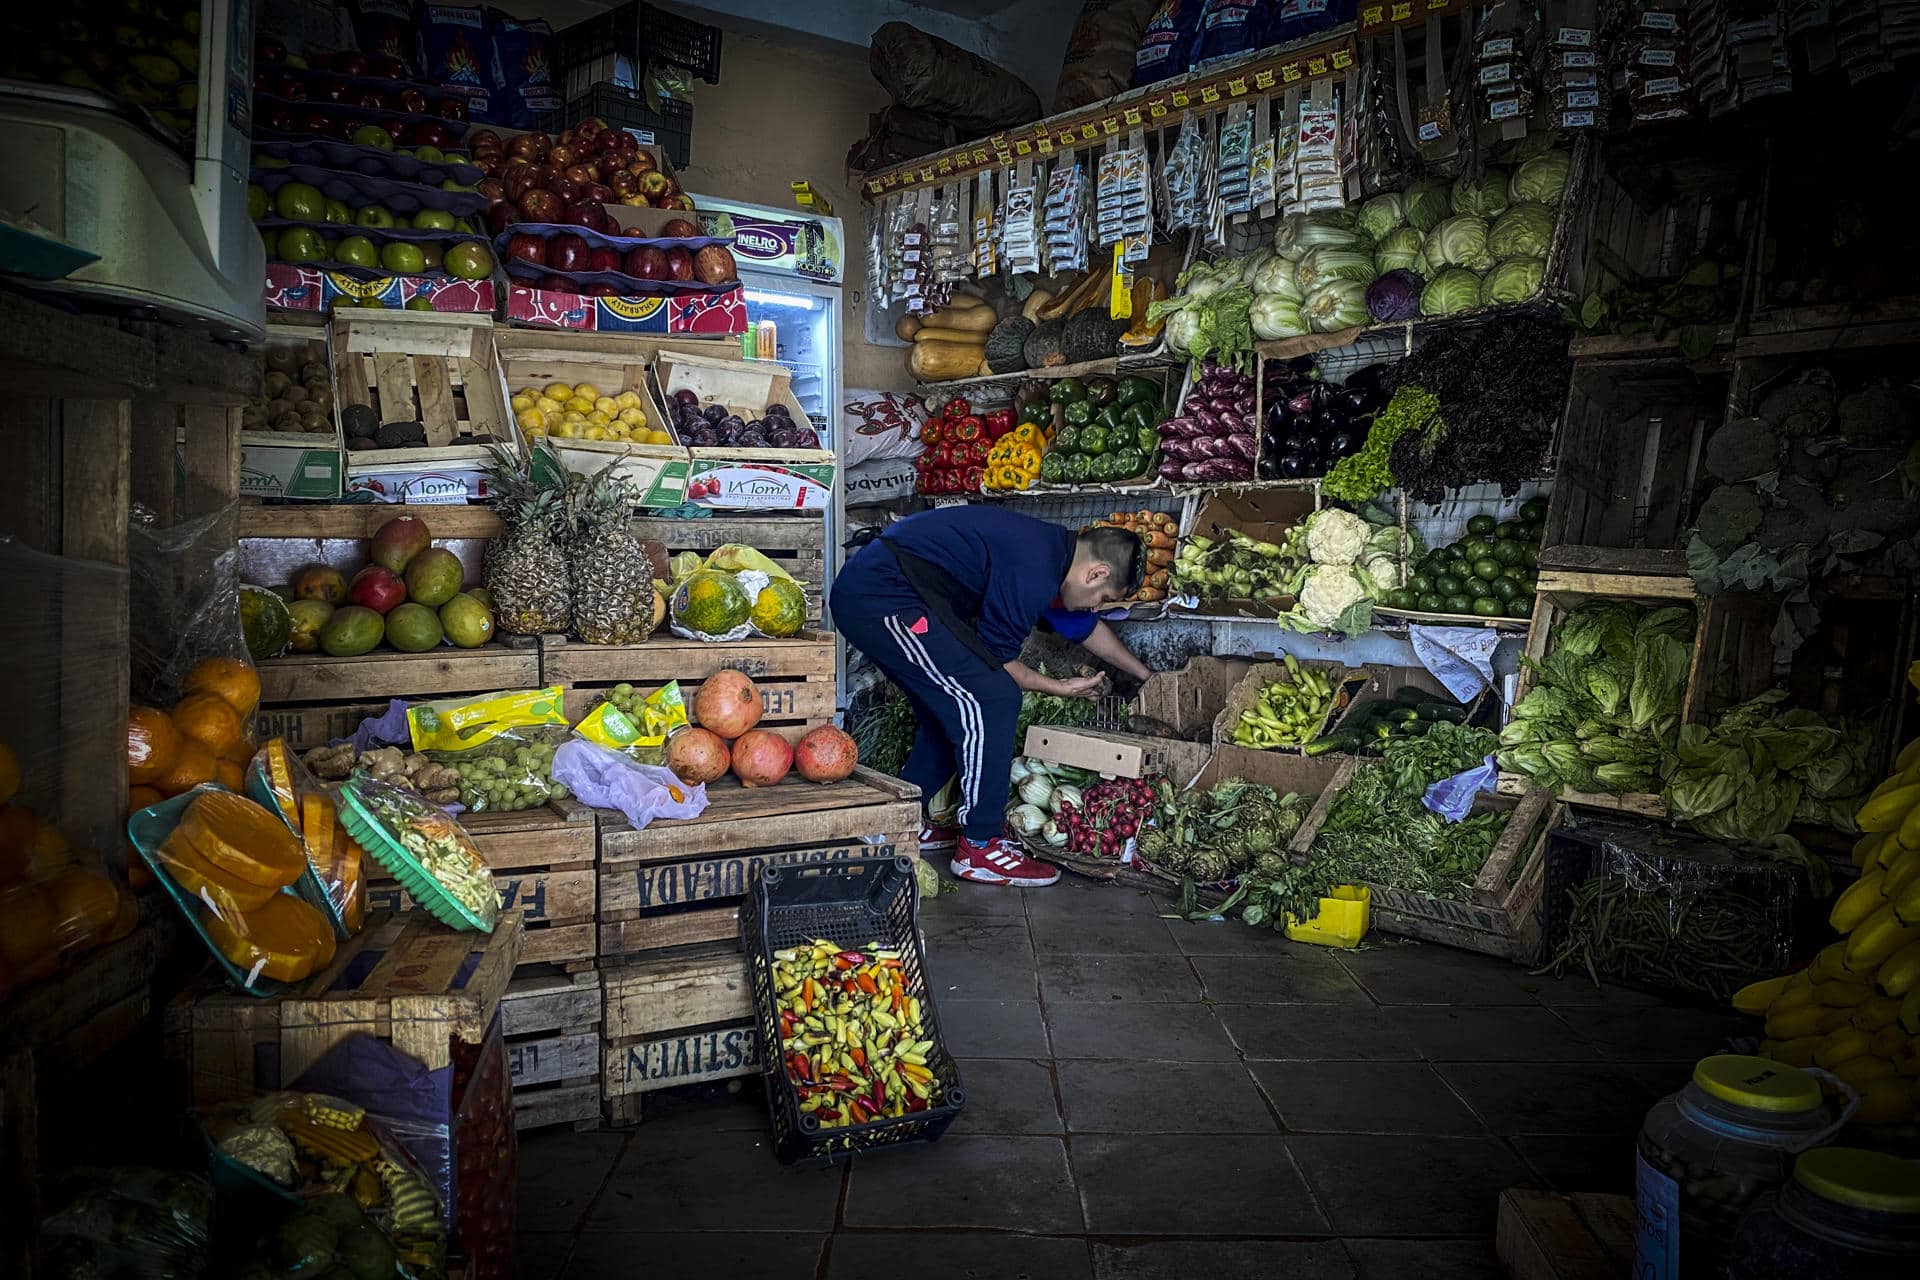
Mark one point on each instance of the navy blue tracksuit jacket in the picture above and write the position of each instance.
(940, 601)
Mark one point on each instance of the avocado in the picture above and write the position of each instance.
(359, 421)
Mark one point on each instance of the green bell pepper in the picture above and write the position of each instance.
(1101, 391)
(1079, 468)
(1067, 391)
(1129, 463)
(1094, 439)
(1147, 439)
(1067, 440)
(1137, 390)
(1079, 413)
(1053, 468)
(1137, 416)
(1110, 418)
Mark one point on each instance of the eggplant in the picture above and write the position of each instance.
(806, 438)
(1301, 405)
(1243, 406)
(1343, 444)
(1269, 442)
(1241, 445)
(1210, 422)
(1325, 423)
(1321, 394)
(1292, 466)
(1298, 441)
(1171, 469)
(1270, 467)
(1278, 417)
(686, 396)
(1352, 401)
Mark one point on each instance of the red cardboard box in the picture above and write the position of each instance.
(291, 288)
(710, 315)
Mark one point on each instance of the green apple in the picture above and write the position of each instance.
(372, 135)
(435, 220)
(300, 202)
(256, 202)
(428, 155)
(337, 211)
(451, 185)
(419, 302)
(300, 244)
(374, 215)
(469, 260)
(328, 247)
(403, 259)
(430, 255)
(357, 251)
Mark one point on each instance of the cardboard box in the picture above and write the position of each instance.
(1187, 701)
(282, 464)
(1348, 682)
(1266, 516)
(295, 288)
(429, 485)
(1284, 773)
(694, 315)
(766, 479)
(1118, 755)
(1384, 683)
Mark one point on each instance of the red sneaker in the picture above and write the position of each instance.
(932, 837)
(999, 861)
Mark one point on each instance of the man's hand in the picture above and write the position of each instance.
(1080, 686)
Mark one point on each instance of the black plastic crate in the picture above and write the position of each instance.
(671, 129)
(852, 903)
(644, 33)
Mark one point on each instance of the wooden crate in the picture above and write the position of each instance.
(797, 543)
(1348, 683)
(310, 698)
(795, 675)
(543, 864)
(1627, 481)
(674, 1020)
(551, 1023)
(288, 463)
(436, 368)
(679, 883)
(613, 364)
(1119, 755)
(1544, 1236)
(406, 979)
(1502, 914)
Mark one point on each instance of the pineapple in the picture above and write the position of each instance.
(527, 570)
(612, 578)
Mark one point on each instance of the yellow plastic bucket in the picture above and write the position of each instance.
(1342, 921)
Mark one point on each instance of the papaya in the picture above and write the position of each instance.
(224, 893)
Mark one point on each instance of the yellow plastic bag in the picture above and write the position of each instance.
(638, 726)
(460, 724)
(734, 557)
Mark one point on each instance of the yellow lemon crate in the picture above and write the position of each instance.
(603, 407)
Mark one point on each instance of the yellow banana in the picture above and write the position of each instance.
(1867, 847)
(1830, 965)
(1797, 992)
(1906, 907)
(1888, 808)
(1888, 1101)
(1859, 1071)
(1890, 850)
(1877, 1012)
(1910, 1012)
(1794, 1024)
(1907, 834)
(1909, 757)
(1899, 973)
(1888, 1042)
(1757, 997)
(1877, 937)
(1842, 995)
(1905, 1054)
(1860, 900)
(1838, 1046)
(1797, 1052)
(1902, 872)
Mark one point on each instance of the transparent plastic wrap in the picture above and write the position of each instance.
(230, 865)
(361, 1201)
(185, 602)
(335, 878)
(500, 745)
(125, 1222)
(423, 848)
(633, 724)
(1650, 908)
(607, 779)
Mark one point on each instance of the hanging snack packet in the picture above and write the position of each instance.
(523, 52)
(1167, 41)
(459, 56)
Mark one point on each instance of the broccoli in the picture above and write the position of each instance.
(1874, 414)
(1871, 475)
(1819, 466)
(1742, 449)
(1799, 408)
(1730, 516)
(1802, 517)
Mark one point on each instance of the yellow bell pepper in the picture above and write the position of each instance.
(1026, 433)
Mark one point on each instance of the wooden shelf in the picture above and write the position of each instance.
(1111, 367)
(387, 673)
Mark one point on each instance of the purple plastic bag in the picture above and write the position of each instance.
(1452, 798)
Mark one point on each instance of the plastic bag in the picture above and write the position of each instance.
(638, 726)
(127, 1221)
(501, 745)
(642, 792)
(229, 864)
(1452, 798)
(336, 864)
(923, 71)
(184, 603)
(411, 1102)
(425, 850)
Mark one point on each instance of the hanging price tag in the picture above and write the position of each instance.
(1209, 93)
(1263, 79)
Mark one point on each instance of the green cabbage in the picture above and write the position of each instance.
(1322, 266)
(1276, 279)
(1455, 289)
(1542, 179)
(1426, 204)
(1460, 241)
(1485, 197)
(1338, 304)
(1327, 228)
(1398, 250)
(1276, 317)
(1514, 280)
(1659, 678)
(1524, 231)
(1382, 214)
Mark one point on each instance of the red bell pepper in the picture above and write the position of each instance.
(934, 432)
(956, 409)
(970, 480)
(999, 422)
(970, 428)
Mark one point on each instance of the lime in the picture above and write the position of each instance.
(1520, 607)
(1474, 548)
(419, 302)
(1448, 584)
(1531, 532)
(1420, 584)
(1487, 607)
(1452, 554)
(1504, 589)
(1533, 510)
(1507, 551)
(1486, 568)
(402, 258)
(1402, 598)
(1507, 529)
(1431, 603)
(1457, 604)
(1482, 523)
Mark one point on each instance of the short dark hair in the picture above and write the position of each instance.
(1119, 550)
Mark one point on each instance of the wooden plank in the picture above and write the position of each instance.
(437, 411)
(807, 656)
(649, 886)
(1490, 884)
(542, 1001)
(1522, 947)
(1317, 816)
(321, 521)
(767, 534)
(575, 1104)
(1617, 585)
(681, 1057)
(680, 929)
(305, 727)
(567, 944)
(563, 1057)
(313, 677)
(801, 819)
(647, 997)
(210, 457)
(393, 386)
(542, 898)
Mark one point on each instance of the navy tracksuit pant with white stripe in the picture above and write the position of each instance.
(967, 707)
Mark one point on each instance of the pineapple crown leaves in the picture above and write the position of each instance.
(600, 503)
(531, 492)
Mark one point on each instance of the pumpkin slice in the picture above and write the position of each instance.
(317, 829)
(280, 781)
(284, 940)
(349, 875)
(243, 839)
(224, 894)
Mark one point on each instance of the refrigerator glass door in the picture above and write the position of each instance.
(807, 339)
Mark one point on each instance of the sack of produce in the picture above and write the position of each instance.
(924, 71)
(1100, 51)
(500, 745)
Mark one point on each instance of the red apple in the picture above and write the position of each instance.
(330, 90)
(539, 205)
(500, 215)
(563, 186)
(491, 188)
(563, 154)
(451, 108)
(589, 126)
(319, 122)
(625, 142)
(678, 229)
(540, 175)
(534, 146)
(349, 62)
(578, 174)
(679, 264)
(386, 67)
(429, 133)
(568, 252)
(394, 129)
(413, 102)
(601, 289)
(642, 162)
(527, 248)
(681, 201)
(602, 258)
(590, 214)
(290, 87)
(269, 49)
(646, 263)
(599, 191)
(714, 265)
(624, 183)
(518, 176)
(556, 284)
(482, 138)
(281, 120)
(377, 588)
(374, 99)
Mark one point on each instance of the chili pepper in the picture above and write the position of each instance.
(867, 984)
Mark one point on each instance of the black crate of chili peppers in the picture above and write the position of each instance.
(854, 1059)
(1664, 911)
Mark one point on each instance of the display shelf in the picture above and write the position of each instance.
(795, 675)
(1111, 367)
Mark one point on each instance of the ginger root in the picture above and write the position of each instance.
(436, 783)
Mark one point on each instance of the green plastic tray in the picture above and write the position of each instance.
(366, 827)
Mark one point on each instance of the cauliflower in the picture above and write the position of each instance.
(1328, 593)
(1384, 571)
(1336, 537)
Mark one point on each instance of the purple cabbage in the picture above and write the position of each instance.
(1395, 296)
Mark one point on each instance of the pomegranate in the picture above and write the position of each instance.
(825, 755)
(727, 704)
(761, 758)
(697, 756)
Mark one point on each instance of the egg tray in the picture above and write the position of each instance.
(367, 273)
(379, 235)
(371, 831)
(601, 240)
(358, 188)
(352, 157)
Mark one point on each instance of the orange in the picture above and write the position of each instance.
(47, 853)
(230, 775)
(27, 942)
(139, 798)
(84, 906)
(195, 766)
(208, 720)
(240, 752)
(17, 825)
(152, 744)
(9, 773)
(232, 680)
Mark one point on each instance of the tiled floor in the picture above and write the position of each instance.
(1153, 1098)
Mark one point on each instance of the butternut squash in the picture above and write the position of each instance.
(905, 327)
(1035, 301)
(941, 361)
(960, 320)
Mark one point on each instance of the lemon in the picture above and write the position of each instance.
(632, 416)
(596, 433)
(522, 401)
(531, 419)
(628, 400)
(587, 391)
(598, 418)
(558, 391)
(607, 405)
(580, 404)
(565, 431)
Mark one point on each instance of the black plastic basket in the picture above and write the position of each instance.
(670, 129)
(852, 903)
(644, 33)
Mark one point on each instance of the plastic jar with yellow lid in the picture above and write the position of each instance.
(1708, 1152)
(1845, 1212)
